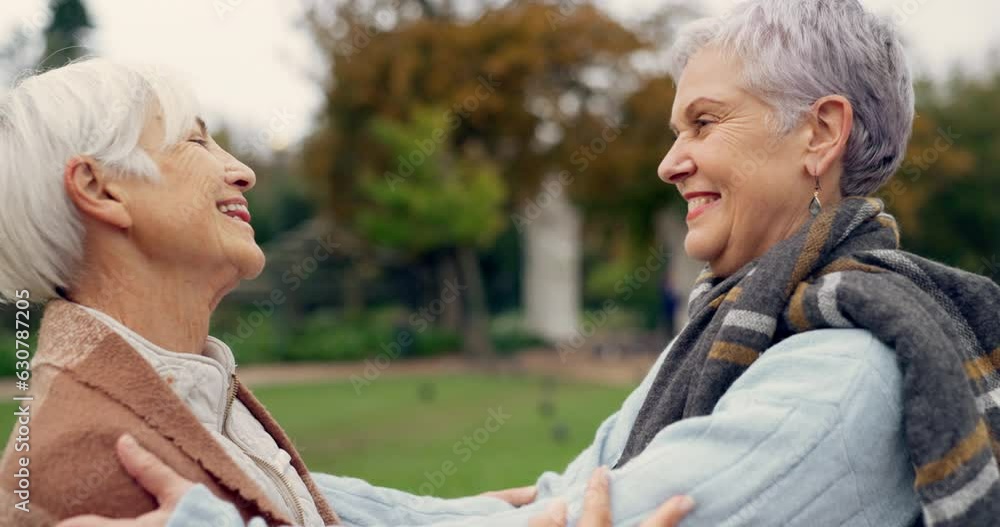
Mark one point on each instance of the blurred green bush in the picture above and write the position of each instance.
(327, 335)
(510, 335)
(330, 335)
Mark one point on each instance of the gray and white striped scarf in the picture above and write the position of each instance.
(844, 270)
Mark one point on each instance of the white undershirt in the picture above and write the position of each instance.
(203, 383)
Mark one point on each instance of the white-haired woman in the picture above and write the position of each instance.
(826, 377)
(123, 215)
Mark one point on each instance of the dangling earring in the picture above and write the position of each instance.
(815, 206)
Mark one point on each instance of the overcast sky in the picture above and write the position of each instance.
(249, 62)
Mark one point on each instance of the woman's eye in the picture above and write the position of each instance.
(703, 122)
(201, 142)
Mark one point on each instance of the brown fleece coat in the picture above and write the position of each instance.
(89, 387)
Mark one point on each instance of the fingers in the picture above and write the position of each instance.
(597, 501)
(670, 513)
(597, 508)
(554, 516)
(517, 496)
(157, 478)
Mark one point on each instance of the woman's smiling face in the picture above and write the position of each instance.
(195, 217)
(747, 187)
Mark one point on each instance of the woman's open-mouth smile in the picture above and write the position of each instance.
(236, 210)
(700, 202)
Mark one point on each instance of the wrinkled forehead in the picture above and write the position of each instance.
(708, 74)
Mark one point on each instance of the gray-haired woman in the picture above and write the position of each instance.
(826, 377)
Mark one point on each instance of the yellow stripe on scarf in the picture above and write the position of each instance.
(848, 264)
(732, 296)
(735, 353)
(819, 232)
(981, 367)
(797, 308)
(956, 457)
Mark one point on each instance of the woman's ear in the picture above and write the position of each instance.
(831, 121)
(94, 193)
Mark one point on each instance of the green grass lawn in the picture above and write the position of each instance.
(392, 435)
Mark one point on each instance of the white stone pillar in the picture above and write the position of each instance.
(552, 232)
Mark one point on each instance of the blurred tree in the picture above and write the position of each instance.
(447, 205)
(514, 80)
(63, 38)
(524, 84)
(65, 34)
(618, 186)
(539, 87)
(943, 193)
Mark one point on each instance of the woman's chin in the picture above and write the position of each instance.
(255, 265)
(700, 247)
(248, 259)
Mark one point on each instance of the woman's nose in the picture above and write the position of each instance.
(675, 167)
(239, 175)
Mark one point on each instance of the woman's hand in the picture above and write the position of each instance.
(168, 488)
(597, 508)
(516, 496)
(153, 475)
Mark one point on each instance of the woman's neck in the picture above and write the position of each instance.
(169, 310)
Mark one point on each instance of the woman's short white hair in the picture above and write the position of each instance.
(794, 52)
(92, 107)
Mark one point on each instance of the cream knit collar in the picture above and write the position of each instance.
(201, 381)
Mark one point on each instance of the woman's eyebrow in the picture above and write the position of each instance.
(689, 110)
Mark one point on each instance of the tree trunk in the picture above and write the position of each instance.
(476, 330)
(451, 318)
(353, 287)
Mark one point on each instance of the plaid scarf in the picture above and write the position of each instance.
(844, 270)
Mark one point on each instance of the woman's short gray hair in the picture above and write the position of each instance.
(92, 107)
(794, 52)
